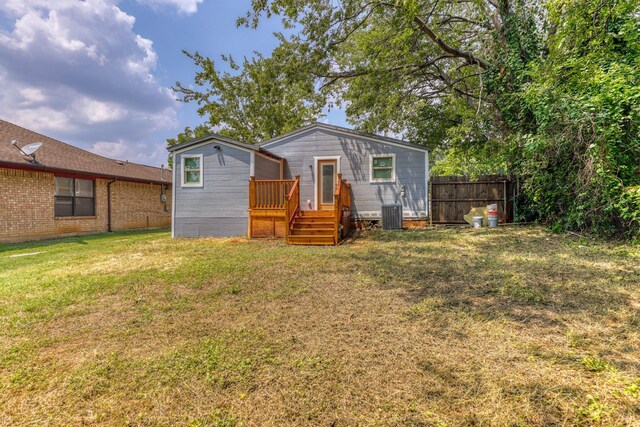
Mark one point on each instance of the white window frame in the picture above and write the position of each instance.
(183, 159)
(393, 168)
(338, 160)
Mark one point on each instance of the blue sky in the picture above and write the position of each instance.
(98, 73)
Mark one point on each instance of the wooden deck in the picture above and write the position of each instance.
(274, 211)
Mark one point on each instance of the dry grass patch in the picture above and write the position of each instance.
(442, 327)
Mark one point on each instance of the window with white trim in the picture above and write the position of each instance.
(382, 168)
(192, 171)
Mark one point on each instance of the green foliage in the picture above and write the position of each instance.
(581, 152)
(258, 99)
(548, 90)
(472, 161)
(408, 67)
(594, 410)
(187, 135)
(595, 364)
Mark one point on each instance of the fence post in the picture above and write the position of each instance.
(506, 208)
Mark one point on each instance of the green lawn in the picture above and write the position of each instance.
(514, 326)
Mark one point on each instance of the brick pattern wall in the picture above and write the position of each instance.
(137, 205)
(27, 207)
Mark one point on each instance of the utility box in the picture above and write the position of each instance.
(392, 217)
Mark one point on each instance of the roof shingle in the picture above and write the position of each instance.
(55, 155)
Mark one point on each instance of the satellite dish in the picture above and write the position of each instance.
(31, 148)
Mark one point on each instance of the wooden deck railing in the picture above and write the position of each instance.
(291, 207)
(342, 204)
(268, 193)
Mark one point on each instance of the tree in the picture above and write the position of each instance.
(581, 149)
(419, 68)
(554, 84)
(261, 98)
(187, 135)
(549, 88)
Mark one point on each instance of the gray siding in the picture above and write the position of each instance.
(210, 227)
(367, 198)
(219, 208)
(266, 168)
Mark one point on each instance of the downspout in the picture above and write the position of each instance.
(109, 205)
(163, 190)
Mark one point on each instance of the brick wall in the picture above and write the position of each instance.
(136, 205)
(27, 207)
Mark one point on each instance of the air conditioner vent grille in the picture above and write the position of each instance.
(392, 217)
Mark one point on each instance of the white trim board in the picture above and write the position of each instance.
(252, 164)
(173, 197)
(314, 175)
(213, 141)
(368, 138)
(427, 196)
(201, 162)
(372, 180)
(378, 214)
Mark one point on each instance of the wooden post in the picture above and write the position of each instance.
(287, 207)
(286, 219)
(297, 184)
(336, 226)
(252, 192)
(515, 189)
(252, 189)
(504, 190)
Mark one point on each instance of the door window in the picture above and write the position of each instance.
(328, 178)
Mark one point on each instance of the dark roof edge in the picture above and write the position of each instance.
(345, 130)
(78, 148)
(44, 168)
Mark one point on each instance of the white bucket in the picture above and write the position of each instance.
(477, 221)
(492, 218)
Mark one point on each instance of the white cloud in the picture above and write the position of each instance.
(77, 70)
(132, 152)
(183, 6)
(31, 94)
(94, 111)
(116, 150)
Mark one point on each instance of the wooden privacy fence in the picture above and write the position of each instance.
(452, 197)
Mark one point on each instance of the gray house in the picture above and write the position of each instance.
(307, 186)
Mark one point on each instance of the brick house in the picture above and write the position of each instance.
(63, 190)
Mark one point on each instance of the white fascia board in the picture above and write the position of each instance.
(173, 197)
(214, 141)
(368, 138)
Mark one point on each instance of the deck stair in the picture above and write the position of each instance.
(313, 228)
(275, 210)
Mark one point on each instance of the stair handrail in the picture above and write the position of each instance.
(268, 193)
(346, 205)
(342, 200)
(291, 207)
